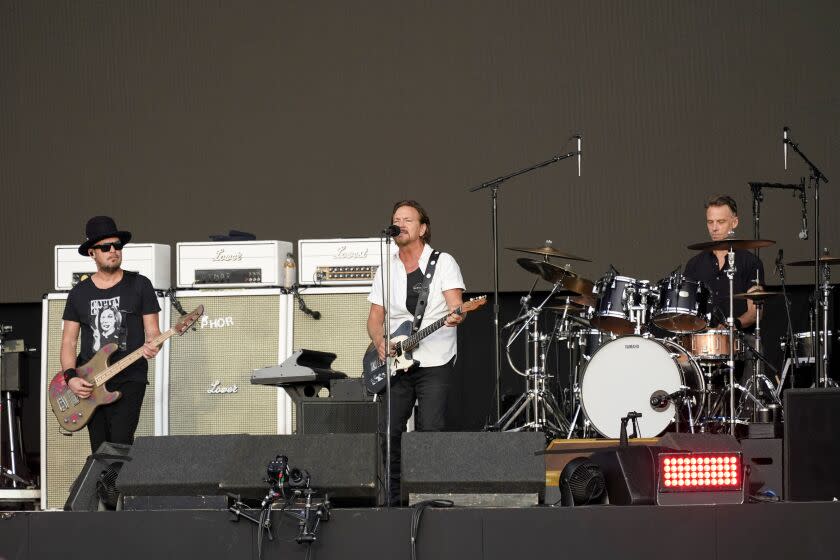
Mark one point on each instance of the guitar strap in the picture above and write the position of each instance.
(423, 296)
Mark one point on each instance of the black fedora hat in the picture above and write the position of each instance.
(98, 228)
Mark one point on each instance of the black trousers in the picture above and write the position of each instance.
(116, 422)
(429, 387)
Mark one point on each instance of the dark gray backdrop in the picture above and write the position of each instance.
(307, 119)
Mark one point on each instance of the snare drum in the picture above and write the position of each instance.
(711, 345)
(626, 374)
(684, 305)
(612, 312)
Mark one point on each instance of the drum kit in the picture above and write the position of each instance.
(643, 350)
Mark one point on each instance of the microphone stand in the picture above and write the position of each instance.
(494, 186)
(386, 264)
(820, 352)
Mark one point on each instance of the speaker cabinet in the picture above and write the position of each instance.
(62, 456)
(342, 328)
(331, 416)
(83, 494)
(811, 445)
(208, 388)
(474, 468)
(346, 466)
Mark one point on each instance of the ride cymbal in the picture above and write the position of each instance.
(725, 244)
(548, 251)
(824, 259)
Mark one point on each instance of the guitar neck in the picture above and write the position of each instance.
(102, 377)
(412, 341)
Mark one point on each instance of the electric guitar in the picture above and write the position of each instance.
(403, 343)
(74, 413)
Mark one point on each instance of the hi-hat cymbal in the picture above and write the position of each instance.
(548, 251)
(758, 295)
(725, 244)
(824, 259)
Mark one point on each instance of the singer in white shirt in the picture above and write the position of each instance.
(428, 384)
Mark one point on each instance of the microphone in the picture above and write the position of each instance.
(779, 264)
(391, 231)
(785, 132)
(579, 139)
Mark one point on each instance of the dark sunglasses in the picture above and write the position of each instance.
(106, 247)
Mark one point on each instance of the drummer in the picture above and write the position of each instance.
(710, 267)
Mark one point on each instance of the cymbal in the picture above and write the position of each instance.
(531, 265)
(548, 251)
(565, 308)
(824, 259)
(725, 244)
(579, 285)
(548, 271)
(581, 300)
(758, 295)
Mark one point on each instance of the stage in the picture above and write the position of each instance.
(768, 531)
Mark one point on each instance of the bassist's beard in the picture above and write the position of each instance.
(110, 268)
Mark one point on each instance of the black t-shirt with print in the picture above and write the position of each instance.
(414, 283)
(113, 315)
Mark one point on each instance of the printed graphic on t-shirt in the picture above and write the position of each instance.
(106, 321)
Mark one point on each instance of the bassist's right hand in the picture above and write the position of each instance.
(80, 387)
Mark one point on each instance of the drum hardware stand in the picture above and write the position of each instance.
(753, 381)
(622, 434)
(730, 273)
(814, 179)
(494, 186)
(825, 380)
(538, 404)
(794, 363)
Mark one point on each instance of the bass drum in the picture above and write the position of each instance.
(625, 373)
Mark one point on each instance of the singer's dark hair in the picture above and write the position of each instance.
(722, 200)
(424, 217)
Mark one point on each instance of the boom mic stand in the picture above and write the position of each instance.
(494, 186)
(820, 351)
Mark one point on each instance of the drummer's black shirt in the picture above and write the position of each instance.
(703, 267)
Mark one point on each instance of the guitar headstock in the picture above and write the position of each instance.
(473, 303)
(189, 320)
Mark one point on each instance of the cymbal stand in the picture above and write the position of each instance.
(494, 186)
(542, 413)
(576, 403)
(793, 361)
(730, 273)
(825, 288)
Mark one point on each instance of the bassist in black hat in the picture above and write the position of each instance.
(116, 306)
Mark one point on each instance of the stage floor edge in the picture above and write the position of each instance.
(768, 531)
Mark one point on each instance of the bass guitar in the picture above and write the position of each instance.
(74, 413)
(403, 343)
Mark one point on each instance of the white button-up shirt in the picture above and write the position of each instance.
(439, 347)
